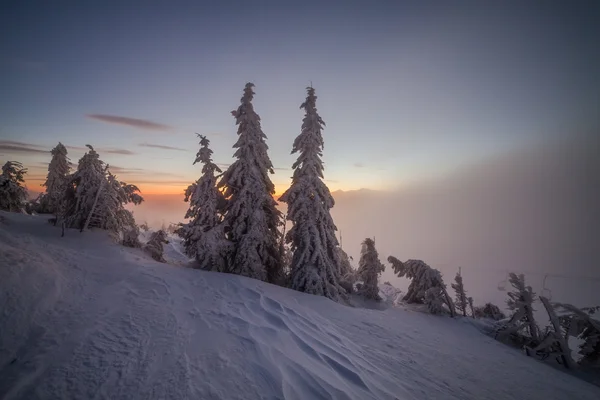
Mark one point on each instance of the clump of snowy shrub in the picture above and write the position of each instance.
(155, 245)
(426, 287)
(490, 311)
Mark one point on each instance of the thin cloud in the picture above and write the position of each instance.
(160, 146)
(359, 165)
(123, 152)
(131, 122)
(109, 150)
(165, 183)
(140, 171)
(77, 148)
(12, 147)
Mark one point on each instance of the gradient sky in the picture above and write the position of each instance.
(409, 90)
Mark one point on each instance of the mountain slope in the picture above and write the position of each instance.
(83, 318)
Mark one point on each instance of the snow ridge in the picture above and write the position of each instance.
(83, 318)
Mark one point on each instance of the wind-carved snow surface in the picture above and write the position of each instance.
(82, 318)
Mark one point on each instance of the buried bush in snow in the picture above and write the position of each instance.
(426, 287)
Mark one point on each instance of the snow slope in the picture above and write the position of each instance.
(82, 318)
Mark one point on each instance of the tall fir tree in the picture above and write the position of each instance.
(203, 236)
(369, 269)
(315, 261)
(462, 301)
(56, 180)
(13, 193)
(251, 219)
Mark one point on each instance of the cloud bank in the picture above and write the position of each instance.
(131, 122)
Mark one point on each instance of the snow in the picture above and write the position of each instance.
(84, 318)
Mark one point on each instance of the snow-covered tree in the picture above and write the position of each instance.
(315, 261)
(490, 311)
(12, 192)
(56, 180)
(520, 302)
(426, 287)
(462, 301)
(155, 245)
(348, 275)
(470, 300)
(204, 236)
(369, 269)
(110, 213)
(96, 198)
(251, 219)
(82, 191)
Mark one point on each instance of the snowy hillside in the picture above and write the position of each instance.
(83, 318)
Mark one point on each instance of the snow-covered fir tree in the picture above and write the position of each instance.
(369, 269)
(348, 274)
(13, 194)
(96, 198)
(110, 213)
(426, 287)
(155, 245)
(462, 301)
(251, 219)
(203, 236)
(520, 302)
(315, 260)
(56, 180)
(82, 190)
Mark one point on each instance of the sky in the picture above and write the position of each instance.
(410, 91)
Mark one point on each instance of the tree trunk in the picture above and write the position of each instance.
(89, 217)
(564, 345)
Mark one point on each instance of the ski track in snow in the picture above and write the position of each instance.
(82, 318)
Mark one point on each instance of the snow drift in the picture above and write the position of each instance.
(84, 318)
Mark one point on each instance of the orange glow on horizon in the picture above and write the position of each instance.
(34, 185)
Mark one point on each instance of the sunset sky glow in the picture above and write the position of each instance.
(408, 91)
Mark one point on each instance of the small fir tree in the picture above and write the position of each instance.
(461, 296)
(203, 236)
(13, 193)
(56, 180)
(369, 269)
(155, 245)
(520, 302)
